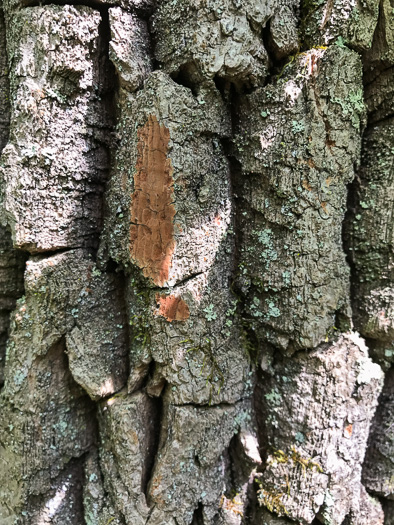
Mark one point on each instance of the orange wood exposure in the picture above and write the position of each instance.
(152, 210)
(172, 308)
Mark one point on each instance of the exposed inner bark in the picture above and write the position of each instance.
(152, 211)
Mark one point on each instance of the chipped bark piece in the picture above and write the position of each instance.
(129, 48)
(191, 454)
(369, 240)
(92, 302)
(152, 211)
(52, 423)
(56, 162)
(192, 356)
(98, 510)
(172, 308)
(201, 41)
(129, 435)
(188, 355)
(378, 466)
(191, 179)
(381, 53)
(283, 32)
(335, 21)
(298, 141)
(12, 267)
(306, 404)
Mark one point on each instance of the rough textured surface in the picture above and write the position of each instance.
(38, 377)
(297, 143)
(378, 472)
(55, 163)
(351, 22)
(205, 38)
(381, 52)
(191, 463)
(180, 174)
(283, 37)
(371, 241)
(48, 422)
(4, 86)
(314, 424)
(129, 48)
(12, 265)
(172, 219)
(126, 462)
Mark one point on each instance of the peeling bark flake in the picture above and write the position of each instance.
(152, 210)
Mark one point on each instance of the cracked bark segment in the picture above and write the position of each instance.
(369, 234)
(283, 31)
(129, 48)
(203, 357)
(66, 296)
(379, 94)
(208, 39)
(378, 468)
(12, 266)
(4, 86)
(191, 463)
(97, 346)
(97, 508)
(297, 142)
(55, 164)
(316, 409)
(178, 174)
(352, 22)
(170, 195)
(129, 435)
(381, 53)
(46, 421)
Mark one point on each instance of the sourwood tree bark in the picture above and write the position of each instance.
(197, 262)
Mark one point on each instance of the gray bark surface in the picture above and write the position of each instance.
(197, 262)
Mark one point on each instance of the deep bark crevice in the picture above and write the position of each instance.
(157, 417)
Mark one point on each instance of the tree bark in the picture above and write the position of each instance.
(197, 262)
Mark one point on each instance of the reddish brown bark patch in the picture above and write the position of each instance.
(172, 308)
(152, 211)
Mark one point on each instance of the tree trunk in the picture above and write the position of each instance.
(197, 262)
